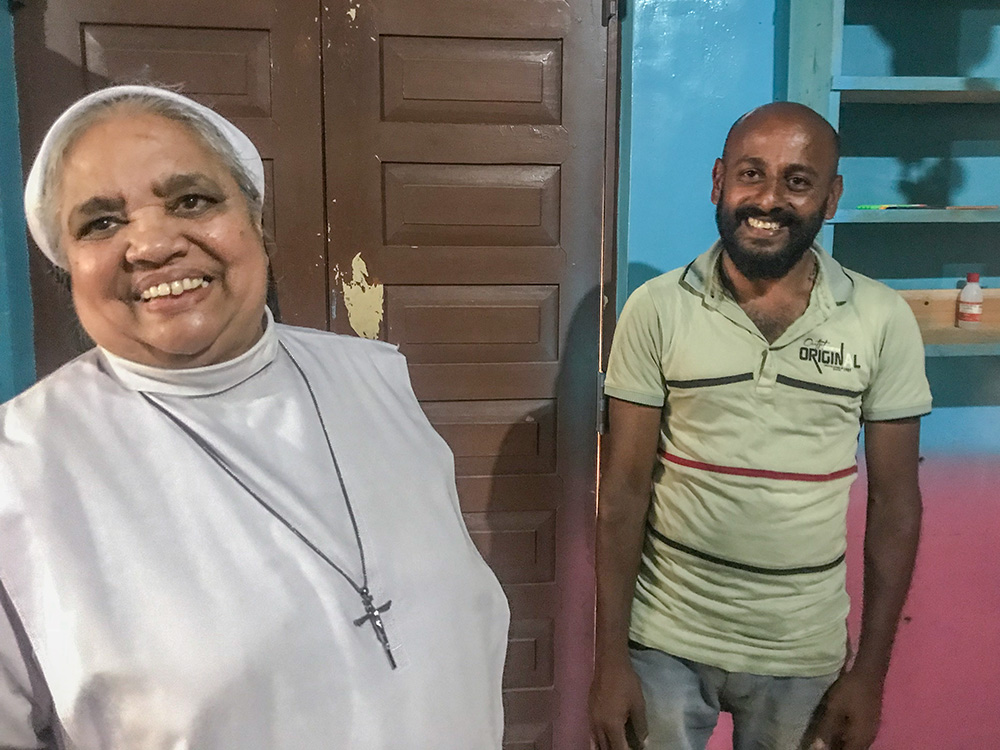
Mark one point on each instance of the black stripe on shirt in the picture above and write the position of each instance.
(709, 382)
(744, 566)
(817, 387)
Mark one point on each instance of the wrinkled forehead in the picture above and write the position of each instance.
(134, 147)
(125, 126)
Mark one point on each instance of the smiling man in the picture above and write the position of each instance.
(738, 386)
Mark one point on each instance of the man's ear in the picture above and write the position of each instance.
(718, 172)
(836, 190)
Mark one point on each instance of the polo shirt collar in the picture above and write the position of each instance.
(702, 277)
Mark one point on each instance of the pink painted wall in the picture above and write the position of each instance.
(943, 691)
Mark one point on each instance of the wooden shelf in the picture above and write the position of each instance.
(960, 342)
(915, 216)
(961, 350)
(917, 89)
(934, 310)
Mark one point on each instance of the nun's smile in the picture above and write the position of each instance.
(167, 265)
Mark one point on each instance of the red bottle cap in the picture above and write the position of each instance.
(972, 277)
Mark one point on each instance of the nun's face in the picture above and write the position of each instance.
(167, 266)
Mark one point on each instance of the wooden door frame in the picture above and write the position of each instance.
(609, 240)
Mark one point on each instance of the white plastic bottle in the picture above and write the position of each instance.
(970, 303)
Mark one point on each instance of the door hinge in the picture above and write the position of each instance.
(609, 9)
(602, 406)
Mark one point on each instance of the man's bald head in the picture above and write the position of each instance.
(786, 113)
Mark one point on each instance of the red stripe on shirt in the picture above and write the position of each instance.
(762, 473)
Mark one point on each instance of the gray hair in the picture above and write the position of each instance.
(143, 102)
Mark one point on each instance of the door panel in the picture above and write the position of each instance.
(499, 323)
(259, 67)
(428, 79)
(465, 166)
(471, 205)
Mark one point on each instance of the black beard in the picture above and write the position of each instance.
(754, 264)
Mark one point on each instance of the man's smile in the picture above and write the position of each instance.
(767, 224)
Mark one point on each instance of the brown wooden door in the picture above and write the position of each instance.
(465, 167)
(461, 217)
(256, 62)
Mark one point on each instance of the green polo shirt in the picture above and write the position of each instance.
(743, 563)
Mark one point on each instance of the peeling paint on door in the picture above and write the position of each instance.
(364, 300)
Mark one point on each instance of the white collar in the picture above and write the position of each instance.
(197, 381)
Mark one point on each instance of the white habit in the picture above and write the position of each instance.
(153, 604)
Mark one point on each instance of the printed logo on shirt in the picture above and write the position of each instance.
(823, 353)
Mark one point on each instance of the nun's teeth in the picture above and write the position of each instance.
(174, 288)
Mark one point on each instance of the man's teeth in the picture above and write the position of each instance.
(763, 223)
(174, 288)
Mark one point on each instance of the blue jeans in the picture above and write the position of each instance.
(683, 700)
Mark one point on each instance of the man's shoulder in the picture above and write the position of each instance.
(873, 296)
(668, 280)
(660, 287)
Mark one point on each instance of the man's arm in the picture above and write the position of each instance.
(852, 707)
(627, 459)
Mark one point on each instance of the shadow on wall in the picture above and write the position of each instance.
(943, 154)
(543, 488)
(961, 43)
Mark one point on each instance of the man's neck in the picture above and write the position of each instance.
(772, 304)
(798, 282)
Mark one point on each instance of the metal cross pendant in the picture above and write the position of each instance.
(373, 615)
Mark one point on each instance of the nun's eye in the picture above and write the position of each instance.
(193, 204)
(99, 227)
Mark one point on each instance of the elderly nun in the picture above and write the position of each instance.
(218, 532)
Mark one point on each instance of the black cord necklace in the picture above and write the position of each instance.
(373, 614)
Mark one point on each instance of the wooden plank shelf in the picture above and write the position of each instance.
(917, 89)
(962, 350)
(916, 216)
(934, 310)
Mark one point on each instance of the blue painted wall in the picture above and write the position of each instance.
(689, 69)
(17, 359)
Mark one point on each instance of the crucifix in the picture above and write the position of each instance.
(373, 615)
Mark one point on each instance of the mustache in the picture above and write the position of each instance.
(783, 217)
